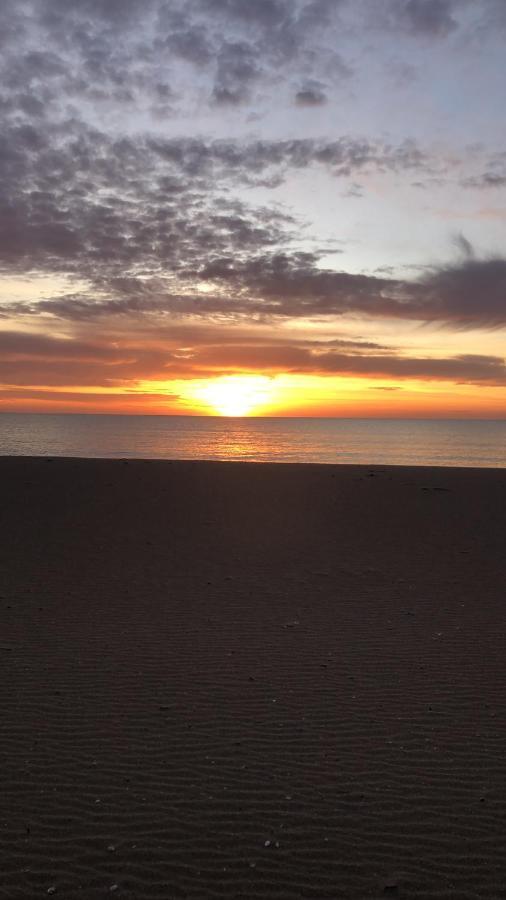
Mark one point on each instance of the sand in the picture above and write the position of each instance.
(251, 681)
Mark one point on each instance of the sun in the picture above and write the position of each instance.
(235, 395)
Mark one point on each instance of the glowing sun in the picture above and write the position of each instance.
(236, 395)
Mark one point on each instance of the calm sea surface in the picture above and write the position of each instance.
(370, 441)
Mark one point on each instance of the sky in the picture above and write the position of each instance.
(263, 207)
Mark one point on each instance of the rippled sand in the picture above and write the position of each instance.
(251, 681)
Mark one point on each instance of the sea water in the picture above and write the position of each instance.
(438, 442)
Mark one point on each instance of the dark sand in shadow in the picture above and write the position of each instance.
(251, 681)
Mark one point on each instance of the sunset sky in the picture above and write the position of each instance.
(267, 207)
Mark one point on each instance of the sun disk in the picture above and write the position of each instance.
(235, 395)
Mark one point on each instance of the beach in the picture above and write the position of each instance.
(233, 680)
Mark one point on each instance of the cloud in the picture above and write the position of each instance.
(465, 246)
(428, 18)
(469, 294)
(492, 180)
(237, 69)
(400, 73)
(266, 287)
(348, 360)
(31, 359)
(474, 369)
(311, 94)
(116, 51)
(243, 160)
(112, 54)
(492, 18)
(136, 402)
(92, 187)
(264, 13)
(493, 177)
(87, 204)
(78, 201)
(191, 43)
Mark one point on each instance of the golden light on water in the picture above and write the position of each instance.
(235, 395)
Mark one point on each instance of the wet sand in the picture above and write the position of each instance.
(251, 681)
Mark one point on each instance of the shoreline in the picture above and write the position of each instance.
(246, 462)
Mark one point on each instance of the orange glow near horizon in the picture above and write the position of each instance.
(257, 394)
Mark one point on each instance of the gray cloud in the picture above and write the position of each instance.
(266, 288)
(148, 221)
(77, 201)
(191, 43)
(116, 51)
(486, 180)
(267, 13)
(469, 294)
(237, 69)
(312, 93)
(433, 18)
(465, 246)
(105, 51)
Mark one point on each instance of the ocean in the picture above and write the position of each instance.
(414, 442)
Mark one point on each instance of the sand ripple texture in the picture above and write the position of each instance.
(251, 681)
